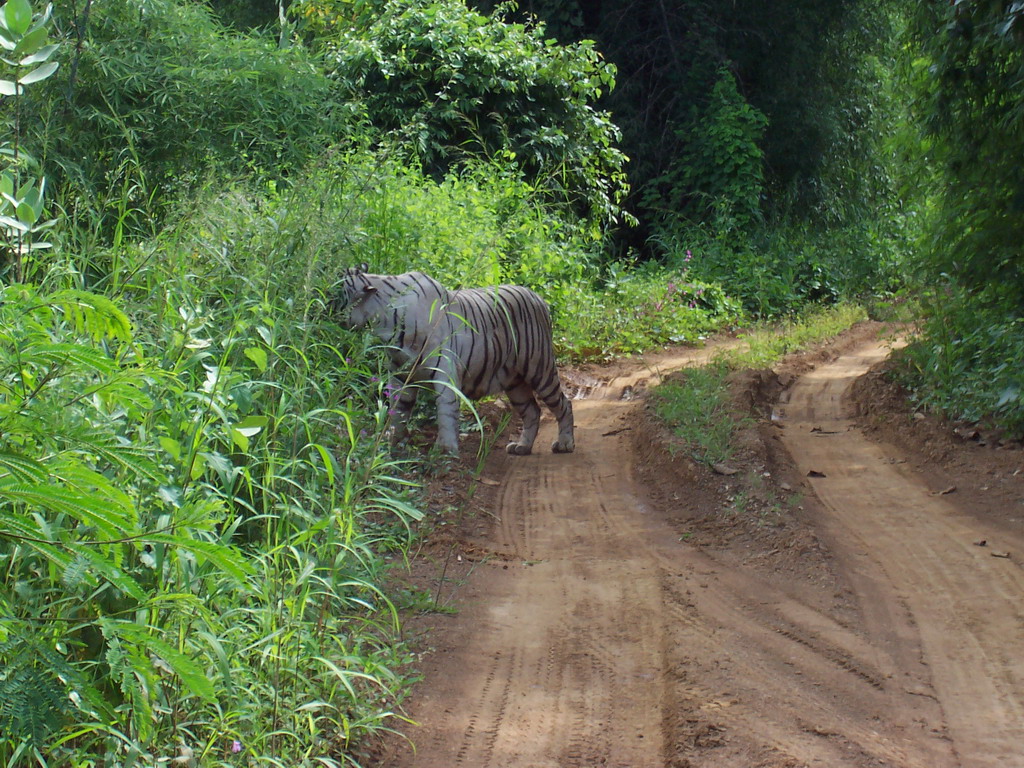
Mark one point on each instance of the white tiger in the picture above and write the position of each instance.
(479, 340)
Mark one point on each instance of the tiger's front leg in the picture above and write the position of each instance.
(401, 400)
(444, 368)
(447, 418)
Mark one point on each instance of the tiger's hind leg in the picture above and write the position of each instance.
(562, 411)
(550, 392)
(521, 397)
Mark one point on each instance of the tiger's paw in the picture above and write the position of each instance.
(515, 449)
(563, 446)
(448, 450)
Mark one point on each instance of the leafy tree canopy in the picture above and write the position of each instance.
(455, 84)
(806, 87)
(970, 86)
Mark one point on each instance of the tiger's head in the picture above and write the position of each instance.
(353, 297)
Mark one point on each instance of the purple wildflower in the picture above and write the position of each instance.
(236, 746)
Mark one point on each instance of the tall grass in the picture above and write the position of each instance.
(968, 361)
(768, 343)
(695, 404)
(195, 489)
(630, 309)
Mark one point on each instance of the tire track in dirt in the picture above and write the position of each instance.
(555, 618)
(965, 605)
(595, 637)
(575, 599)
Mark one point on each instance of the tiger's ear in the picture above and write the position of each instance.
(364, 267)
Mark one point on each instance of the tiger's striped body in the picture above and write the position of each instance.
(480, 341)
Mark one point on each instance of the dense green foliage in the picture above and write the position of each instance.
(810, 69)
(759, 137)
(968, 363)
(804, 151)
(197, 508)
(970, 102)
(158, 97)
(131, 485)
(456, 84)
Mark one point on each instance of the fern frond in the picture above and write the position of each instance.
(93, 314)
(22, 467)
(29, 530)
(113, 517)
(138, 461)
(226, 559)
(190, 673)
(34, 700)
(76, 574)
(81, 358)
(112, 573)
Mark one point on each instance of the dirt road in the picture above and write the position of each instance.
(592, 632)
(915, 558)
